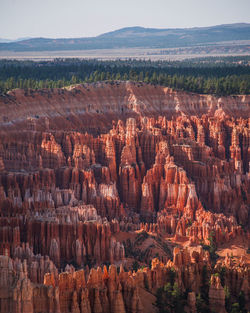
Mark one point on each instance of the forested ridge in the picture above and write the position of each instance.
(219, 76)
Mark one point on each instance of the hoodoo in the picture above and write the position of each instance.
(117, 195)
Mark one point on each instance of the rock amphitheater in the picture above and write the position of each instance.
(97, 177)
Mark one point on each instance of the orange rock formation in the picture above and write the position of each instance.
(93, 166)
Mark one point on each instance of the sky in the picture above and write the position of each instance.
(81, 18)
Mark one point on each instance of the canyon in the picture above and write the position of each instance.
(111, 191)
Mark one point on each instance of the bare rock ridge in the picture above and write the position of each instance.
(117, 100)
(98, 177)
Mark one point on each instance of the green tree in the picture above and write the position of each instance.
(227, 299)
(201, 305)
(135, 266)
(242, 301)
(236, 308)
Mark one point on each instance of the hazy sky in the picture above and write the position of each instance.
(80, 18)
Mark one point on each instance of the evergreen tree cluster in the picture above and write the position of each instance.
(170, 299)
(223, 77)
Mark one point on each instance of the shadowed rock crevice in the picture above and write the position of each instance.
(119, 174)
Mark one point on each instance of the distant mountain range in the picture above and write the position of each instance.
(138, 37)
(4, 40)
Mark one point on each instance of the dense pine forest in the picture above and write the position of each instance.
(218, 76)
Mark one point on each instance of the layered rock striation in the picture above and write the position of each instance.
(96, 165)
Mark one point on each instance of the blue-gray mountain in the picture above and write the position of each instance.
(140, 37)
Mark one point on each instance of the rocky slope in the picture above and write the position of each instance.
(119, 173)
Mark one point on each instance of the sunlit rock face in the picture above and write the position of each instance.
(85, 170)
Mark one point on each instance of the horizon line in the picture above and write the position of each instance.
(23, 38)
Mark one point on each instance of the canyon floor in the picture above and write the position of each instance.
(113, 193)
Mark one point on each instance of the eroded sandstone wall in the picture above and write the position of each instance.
(85, 168)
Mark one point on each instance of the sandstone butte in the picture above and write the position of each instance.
(95, 177)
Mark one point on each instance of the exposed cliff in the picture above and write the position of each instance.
(118, 173)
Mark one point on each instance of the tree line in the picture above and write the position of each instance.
(205, 77)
